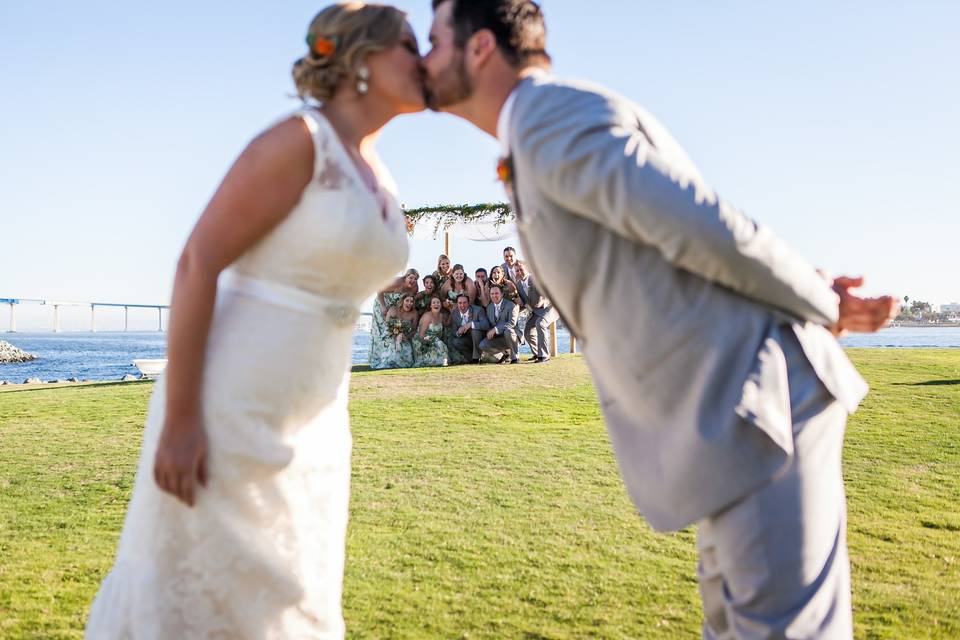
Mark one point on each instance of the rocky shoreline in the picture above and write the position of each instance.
(10, 354)
(37, 381)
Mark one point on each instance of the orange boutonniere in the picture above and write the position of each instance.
(505, 170)
(320, 46)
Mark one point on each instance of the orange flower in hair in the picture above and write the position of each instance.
(320, 46)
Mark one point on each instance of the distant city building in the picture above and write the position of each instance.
(952, 308)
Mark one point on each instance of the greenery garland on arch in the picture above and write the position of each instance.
(444, 216)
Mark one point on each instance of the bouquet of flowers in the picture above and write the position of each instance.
(398, 329)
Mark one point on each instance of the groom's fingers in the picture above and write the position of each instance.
(867, 315)
(848, 282)
(865, 319)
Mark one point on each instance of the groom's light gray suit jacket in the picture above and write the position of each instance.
(617, 223)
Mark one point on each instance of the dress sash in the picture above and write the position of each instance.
(343, 313)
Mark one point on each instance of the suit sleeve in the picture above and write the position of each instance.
(541, 299)
(589, 155)
(511, 321)
(501, 325)
(481, 321)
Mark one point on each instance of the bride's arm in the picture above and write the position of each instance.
(261, 188)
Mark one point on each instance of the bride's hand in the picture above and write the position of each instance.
(181, 460)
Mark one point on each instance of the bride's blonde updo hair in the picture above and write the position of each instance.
(339, 38)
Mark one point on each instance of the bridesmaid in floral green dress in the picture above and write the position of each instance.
(429, 349)
(443, 272)
(423, 298)
(499, 278)
(396, 346)
(458, 282)
(385, 300)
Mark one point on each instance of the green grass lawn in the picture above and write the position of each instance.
(487, 504)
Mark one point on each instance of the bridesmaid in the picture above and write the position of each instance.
(458, 283)
(483, 288)
(429, 291)
(396, 349)
(389, 297)
(443, 272)
(429, 349)
(498, 278)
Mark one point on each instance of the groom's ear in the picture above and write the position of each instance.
(481, 45)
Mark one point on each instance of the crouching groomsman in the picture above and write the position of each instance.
(469, 323)
(501, 338)
(542, 313)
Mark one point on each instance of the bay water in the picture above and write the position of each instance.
(109, 356)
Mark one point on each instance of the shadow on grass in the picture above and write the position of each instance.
(928, 383)
(946, 526)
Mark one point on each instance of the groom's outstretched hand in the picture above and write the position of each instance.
(181, 461)
(864, 315)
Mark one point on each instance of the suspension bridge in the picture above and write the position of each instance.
(56, 305)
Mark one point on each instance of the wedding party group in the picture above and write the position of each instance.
(456, 319)
(712, 344)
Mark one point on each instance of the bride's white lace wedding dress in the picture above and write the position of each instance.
(261, 553)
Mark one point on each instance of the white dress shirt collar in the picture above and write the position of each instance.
(503, 120)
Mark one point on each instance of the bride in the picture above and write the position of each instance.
(238, 517)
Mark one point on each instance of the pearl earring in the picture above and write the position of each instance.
(363, 75)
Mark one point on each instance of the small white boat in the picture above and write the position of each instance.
(150, 368)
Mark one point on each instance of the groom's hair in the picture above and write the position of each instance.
(517, 25)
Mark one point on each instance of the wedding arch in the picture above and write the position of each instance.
(496, 216)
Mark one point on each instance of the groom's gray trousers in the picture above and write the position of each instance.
(774, 564)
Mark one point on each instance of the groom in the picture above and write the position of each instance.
(726, 394)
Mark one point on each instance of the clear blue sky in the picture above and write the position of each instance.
(834, 123)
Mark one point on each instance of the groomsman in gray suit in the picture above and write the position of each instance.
(501, 338)
(542, 313)
(711, 343)
(510, 264)
(469, 323)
